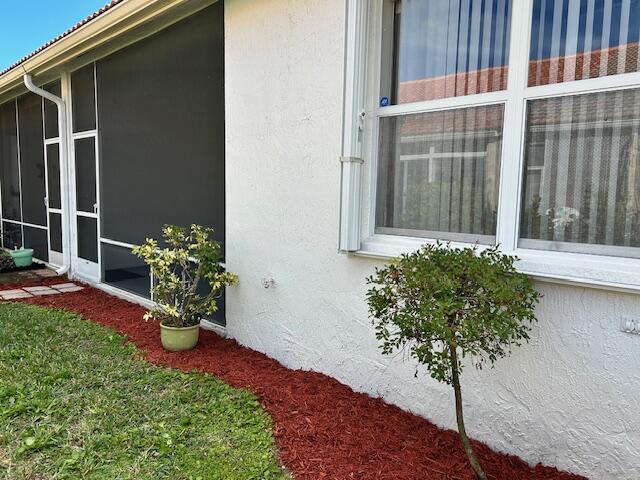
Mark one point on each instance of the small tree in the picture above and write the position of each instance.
(444, 304)
(189, 258)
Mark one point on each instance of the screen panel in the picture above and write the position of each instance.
(170, 89)
(32, 175)
(88, 239)
(51, 111)
(9, 169)
(83, 99)
(53, 175)
(11, 235)
(123, 270)
(55, 231)
(85, 158)
(36, 238)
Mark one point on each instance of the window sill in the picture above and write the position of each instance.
(593, 271)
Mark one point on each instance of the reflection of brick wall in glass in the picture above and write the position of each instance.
(465, 50)
(448, 48)
(582, 39)
(589, 149)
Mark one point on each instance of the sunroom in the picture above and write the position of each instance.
(142, 121)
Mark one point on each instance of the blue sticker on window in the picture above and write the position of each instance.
(384, 102)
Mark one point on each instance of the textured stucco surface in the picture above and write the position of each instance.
(571, 398)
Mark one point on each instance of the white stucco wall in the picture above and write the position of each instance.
(570, 399)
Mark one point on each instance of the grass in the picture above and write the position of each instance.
(77, 402)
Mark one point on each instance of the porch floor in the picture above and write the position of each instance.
(323, 429)
(26, 276)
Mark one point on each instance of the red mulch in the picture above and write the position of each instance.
(323, 429)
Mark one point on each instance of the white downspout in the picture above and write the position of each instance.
(64, 168)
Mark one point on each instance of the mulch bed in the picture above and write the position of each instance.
(323, 429)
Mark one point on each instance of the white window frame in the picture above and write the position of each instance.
(362, 79)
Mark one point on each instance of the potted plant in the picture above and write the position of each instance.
(188, 261)
(444, 305)
(22, 257)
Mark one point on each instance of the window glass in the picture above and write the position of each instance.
(579, 39)
(582, 174)
(439, 173)
(447, 48)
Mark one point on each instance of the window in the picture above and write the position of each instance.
(508, 122)
(438, 174)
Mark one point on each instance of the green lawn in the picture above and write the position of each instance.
(75, 402)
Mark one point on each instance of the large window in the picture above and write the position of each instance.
(509, 122)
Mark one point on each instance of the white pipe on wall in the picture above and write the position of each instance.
(64, 168)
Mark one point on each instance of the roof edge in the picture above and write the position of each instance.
(94, 31)
(82, 22)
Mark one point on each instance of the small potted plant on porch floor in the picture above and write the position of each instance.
(22, 257)
(189, 259)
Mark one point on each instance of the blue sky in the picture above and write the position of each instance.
(27, 24)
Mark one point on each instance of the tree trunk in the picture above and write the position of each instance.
(475, 464)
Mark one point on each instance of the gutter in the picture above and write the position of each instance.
(64, 167)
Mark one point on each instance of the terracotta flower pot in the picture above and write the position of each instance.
(177, 339)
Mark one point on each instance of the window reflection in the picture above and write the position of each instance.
(579, 39)
(447, 48)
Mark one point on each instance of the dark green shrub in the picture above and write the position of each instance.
(6, 262)
(443, 305)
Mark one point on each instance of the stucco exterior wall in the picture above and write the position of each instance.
(571, 398)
